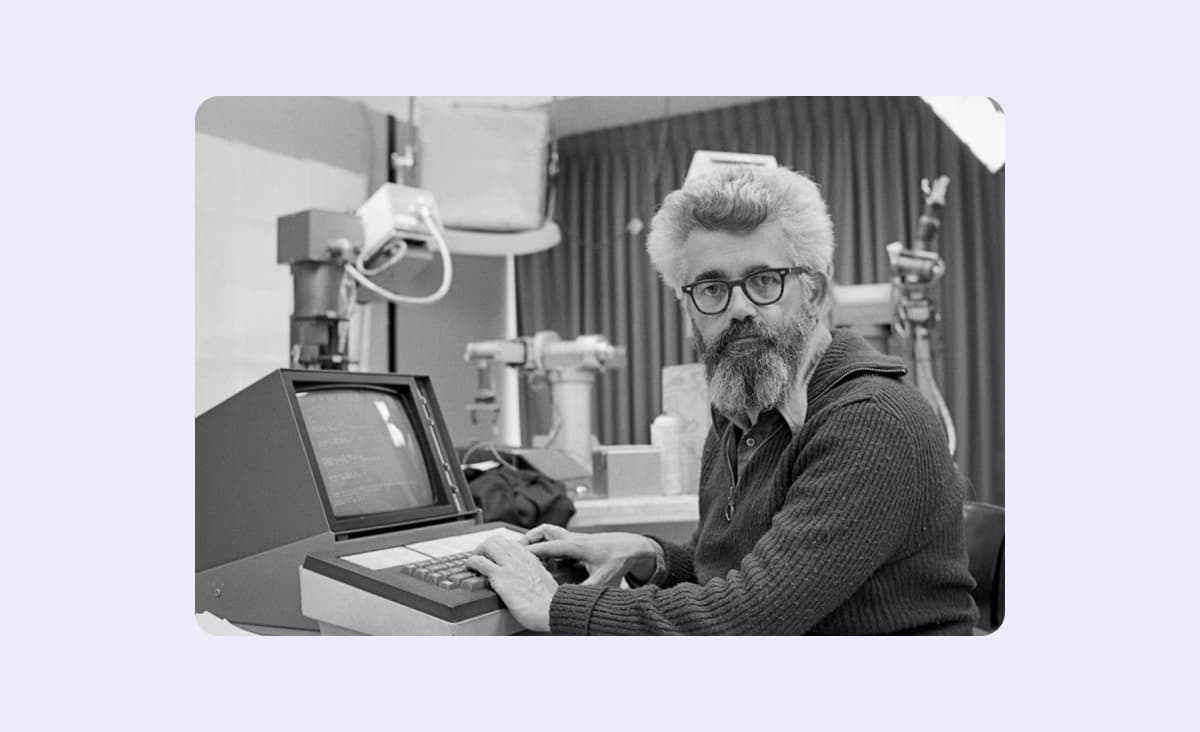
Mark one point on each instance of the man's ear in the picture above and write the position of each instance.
(819, 290)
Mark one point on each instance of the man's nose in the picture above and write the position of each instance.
(739, 305)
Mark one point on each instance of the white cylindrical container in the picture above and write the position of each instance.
(571, 391)
(666, 433)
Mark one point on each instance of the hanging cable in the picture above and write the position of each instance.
(401, 247)
(925, 371)
(447, 269)
(490, 447)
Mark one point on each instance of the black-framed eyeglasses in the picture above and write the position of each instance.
(763, 287)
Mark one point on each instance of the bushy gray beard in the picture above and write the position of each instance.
(756, 376)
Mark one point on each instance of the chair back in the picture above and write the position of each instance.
(984, 528)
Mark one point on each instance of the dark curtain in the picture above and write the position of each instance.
(868, 154)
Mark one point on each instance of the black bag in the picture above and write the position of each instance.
(523, 497)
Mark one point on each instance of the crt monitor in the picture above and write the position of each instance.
(369, 456)
(374, 465)
(302, 460)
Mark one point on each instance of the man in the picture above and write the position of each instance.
(829, 503)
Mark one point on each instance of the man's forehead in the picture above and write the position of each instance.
(726, 254)
(719, 273)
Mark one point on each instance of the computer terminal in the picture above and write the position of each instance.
(333, 502)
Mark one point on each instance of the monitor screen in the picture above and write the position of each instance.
(369, 454)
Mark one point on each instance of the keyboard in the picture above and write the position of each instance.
(452, 573)
(382, 586)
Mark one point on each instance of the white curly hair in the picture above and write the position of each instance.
(738, 199)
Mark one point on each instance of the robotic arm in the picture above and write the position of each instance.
(569, 366)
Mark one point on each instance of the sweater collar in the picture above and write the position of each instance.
(848, 354)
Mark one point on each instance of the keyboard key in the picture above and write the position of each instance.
(458, 577)
(475, 583)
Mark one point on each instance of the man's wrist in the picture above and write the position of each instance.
(647, 562)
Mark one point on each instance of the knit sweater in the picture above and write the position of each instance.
(851, 525)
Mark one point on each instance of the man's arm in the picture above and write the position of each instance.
(844, 517)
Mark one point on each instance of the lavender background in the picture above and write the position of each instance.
(99, 160)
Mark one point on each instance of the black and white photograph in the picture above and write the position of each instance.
(599, 365)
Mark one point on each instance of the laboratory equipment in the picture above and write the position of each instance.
(626, 471)
(341, 259)
(570, 369)
(666, 433)
(705, 161)
(915, 274)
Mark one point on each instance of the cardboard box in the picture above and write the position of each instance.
(621, 471)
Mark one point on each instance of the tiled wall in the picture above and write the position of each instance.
(243, 298)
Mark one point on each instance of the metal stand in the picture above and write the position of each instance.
(915, 274)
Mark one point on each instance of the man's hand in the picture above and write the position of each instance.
(519, 578)
(608, 556)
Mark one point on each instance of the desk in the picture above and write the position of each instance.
(635, 510)
(673, 518)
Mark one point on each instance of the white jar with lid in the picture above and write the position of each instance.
(666, 433)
